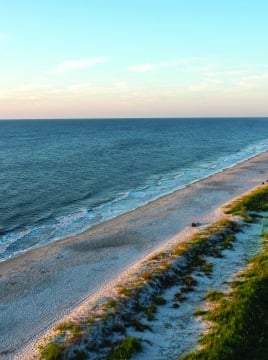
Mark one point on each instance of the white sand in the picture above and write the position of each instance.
(43, 285)
(176, 331)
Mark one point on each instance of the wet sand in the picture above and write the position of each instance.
(41, 286)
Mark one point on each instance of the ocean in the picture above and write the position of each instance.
(60, 177)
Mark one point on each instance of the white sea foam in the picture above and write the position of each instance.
(84, 218)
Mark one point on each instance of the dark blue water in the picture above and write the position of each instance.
(59, 177)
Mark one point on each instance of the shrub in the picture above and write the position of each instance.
(255, 201)
(80, 355)
(189, 281)
(241, 318)
(214, 295)
(199, 312)
(110, 303)
(150, 312)
(139, 326)
(227, 243)
(159, 300)
(207, 268)
(51, 352)
(125, 349)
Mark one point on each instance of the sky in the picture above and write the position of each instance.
(133, 58)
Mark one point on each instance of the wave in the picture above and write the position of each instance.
(16, 242)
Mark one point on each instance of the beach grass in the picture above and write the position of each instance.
(257, 201)
(125, 349)
(240, 318)
(52, 351)
(162, 271)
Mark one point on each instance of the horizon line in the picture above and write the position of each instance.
(138, 118)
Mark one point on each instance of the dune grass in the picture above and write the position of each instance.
(240, 318)
(194, 252)
(257, 200)
(125, 349)
(236, 315)
(52, 351)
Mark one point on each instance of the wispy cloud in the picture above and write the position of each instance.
(94, 88)
(154, 67)
(198, 87)
(246, 85)
(32, 87)
(187, 63)
(75, 64)
(157, 66)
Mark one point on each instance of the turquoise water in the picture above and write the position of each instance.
(60, 177)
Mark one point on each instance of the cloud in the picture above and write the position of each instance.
(198, 87)
(32, 87)
(153, 67)
(246, 85)
(69, 65)
(188, 64)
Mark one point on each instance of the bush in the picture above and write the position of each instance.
(256, 201)
(125, 349)
(214, 295)
(51, 352)
(207, 268)
(241, 318)
(159, 300)
(150, 312)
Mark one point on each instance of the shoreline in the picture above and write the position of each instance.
(150, 305)
(130, 210)
(82, 264)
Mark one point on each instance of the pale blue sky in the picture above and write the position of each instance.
(130, 58)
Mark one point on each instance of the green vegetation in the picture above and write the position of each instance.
(80, 355)
(255, 201)
(180, 297)
(62, 327)
(159, 300)
(139, 326)
(214, 295)
(150, 312)
(125, 349)
(207, 268)
(73, 329)
(110, 304)
(51, 352)
(125, 291)
(240, 318)
(210, 241)
(199, 312)
(189, 281)
(228, 242)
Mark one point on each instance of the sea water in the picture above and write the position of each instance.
(60, 177)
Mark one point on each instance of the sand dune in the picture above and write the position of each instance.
(41, 286)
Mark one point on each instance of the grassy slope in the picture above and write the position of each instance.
(236, 319)
(241, 317)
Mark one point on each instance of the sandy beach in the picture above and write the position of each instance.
(43, 285)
